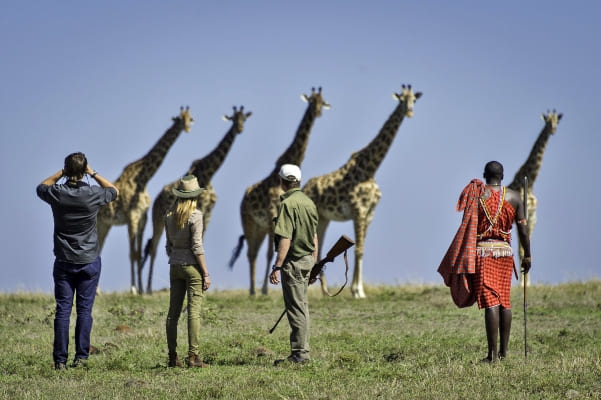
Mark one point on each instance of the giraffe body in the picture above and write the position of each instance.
(204, 169)
(351, 192)
(261, 200)
(133, 201)
(530, 169)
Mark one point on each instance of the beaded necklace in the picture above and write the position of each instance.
(493, 220)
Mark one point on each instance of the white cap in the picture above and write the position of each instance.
(290, 172)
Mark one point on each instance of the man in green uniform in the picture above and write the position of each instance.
(296, 246)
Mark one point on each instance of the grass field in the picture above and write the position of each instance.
(402, 342)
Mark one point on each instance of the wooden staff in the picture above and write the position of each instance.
(524, 274)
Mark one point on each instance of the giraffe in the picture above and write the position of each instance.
(261, 200)
(351, 192)
(530, 169)
(204, 169)
(133, 201)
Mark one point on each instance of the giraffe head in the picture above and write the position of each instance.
(184, 118)
(316, 101)
(238, 118)
(407, 98)
(551, 120)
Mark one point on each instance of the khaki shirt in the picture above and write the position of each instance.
(183, 245)
(297, 220)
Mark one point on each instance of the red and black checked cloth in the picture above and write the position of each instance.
(492, 281)
(458, 266)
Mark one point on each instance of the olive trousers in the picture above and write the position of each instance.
(185, 280)
(295, 281)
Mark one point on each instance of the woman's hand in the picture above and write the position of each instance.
(206, 282)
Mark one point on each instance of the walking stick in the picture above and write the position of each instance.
(524, 274)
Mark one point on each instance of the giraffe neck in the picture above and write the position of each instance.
(366, 161)
(295, 153)
(532, 165)
(204, 168)
(147, 166)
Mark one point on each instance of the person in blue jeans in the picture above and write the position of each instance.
(77, 263)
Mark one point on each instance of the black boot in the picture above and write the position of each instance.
(505, 328)
(174, 361)
(491, 321)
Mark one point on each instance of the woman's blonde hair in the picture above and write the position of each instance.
(182, 209)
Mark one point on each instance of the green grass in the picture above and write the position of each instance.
(404, 342)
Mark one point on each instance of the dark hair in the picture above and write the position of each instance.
(76, 165)
(287, 185)
(493, 169)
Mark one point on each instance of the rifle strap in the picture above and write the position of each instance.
(345, 278)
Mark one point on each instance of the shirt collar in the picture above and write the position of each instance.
(289, 193)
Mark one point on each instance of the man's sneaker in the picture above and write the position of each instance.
(60, 366)
(79, 363)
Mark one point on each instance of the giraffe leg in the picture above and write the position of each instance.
(158, 224)
(264, 288)
(357, 283)
(322, 225)
(138, 253)
(103, 230)
(362, 220)
(251, 254)
(131, 232)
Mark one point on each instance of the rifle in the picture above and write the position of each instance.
(525, 273)
(342, 245)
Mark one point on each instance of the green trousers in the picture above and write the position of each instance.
(185, 280)
(295, 281)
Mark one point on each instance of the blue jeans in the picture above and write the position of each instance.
(80, 280)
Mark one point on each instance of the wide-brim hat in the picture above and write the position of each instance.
(187, 187)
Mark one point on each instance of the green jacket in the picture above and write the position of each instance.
(297, 220)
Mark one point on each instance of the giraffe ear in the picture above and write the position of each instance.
(226, 118)
(418, 95)
(396, 96)
(326, 106)
(304, 98)
(559, 116)
(248, 114)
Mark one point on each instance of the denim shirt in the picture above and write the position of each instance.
(75, 208)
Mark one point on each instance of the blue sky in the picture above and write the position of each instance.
(105, 78)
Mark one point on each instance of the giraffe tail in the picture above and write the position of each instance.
(236, 251)
(146, 252)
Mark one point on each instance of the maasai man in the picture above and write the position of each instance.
(479, 263)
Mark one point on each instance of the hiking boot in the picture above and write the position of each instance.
(174, 361)
(79, 363)
(60, 366)
(194, 361)
(293, 358)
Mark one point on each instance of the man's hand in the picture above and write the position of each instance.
(526, 264)
(274, 277)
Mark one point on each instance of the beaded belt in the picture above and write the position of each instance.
(494, 248)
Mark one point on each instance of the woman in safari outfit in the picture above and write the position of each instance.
(188, 273)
